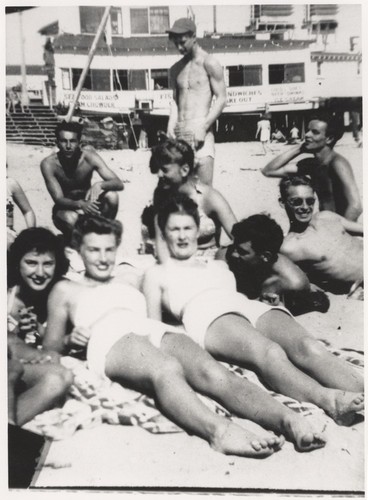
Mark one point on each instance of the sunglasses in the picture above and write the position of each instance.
(298, 202)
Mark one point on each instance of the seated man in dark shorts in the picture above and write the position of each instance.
(261, 272)
(68, 177)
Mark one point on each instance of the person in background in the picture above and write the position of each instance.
(195, 80)
(68, 177)
(332, 174)
(16, 196)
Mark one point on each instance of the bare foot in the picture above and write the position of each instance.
(232, 439)
(300, 431)
(347, 404)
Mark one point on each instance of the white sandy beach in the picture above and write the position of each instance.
(125, 457)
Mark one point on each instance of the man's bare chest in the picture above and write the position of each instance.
(74, 177)
(193, 76)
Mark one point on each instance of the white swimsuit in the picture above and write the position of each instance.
(111, 311)
(199, 296)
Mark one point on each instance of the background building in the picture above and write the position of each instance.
(282, 58)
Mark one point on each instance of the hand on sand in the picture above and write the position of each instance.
(232, 439)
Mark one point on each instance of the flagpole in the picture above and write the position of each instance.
(89, 60)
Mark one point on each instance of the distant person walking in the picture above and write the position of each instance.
(264, 131)
(195, 80)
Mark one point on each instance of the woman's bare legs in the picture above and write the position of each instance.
(232, 338)
(133, 361)
(238, 395)
(309, 354)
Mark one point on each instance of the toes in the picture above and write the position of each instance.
(256, 445)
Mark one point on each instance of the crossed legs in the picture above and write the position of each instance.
(232, 338)
(134, 362)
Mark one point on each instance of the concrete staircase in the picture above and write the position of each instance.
(35, 126)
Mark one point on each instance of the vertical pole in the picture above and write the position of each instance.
(24, 95)
(89, 60)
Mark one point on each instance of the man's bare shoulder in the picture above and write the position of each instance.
(90, 156)
(50, 162)
(325, 215)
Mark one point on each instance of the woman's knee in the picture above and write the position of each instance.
(308, 348)
(272, 352)
(58, 379)
(170, 368)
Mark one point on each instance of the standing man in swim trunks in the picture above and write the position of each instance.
(68, 177)
(195, 80)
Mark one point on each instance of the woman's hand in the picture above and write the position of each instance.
(80, 336)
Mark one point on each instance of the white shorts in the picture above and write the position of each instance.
(186, 129)
(205, 308)
(114, 326)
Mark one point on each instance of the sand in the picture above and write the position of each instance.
(117, 456)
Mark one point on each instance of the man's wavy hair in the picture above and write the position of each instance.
(40, 240)
(177, 204)
(69, 127)
(87, 224)
(334, 129)
(171, 151)
(294, 180)
(263, 232)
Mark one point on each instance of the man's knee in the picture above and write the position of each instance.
(109, 204)
(204, 169)
(65, 217)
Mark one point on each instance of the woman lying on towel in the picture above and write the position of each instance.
(36, 262)
(108, 315)
(238, 330)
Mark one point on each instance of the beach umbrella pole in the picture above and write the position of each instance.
(88, 64)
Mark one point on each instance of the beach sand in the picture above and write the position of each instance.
(129, 457)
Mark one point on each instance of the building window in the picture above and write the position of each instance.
(240, 76)
(159, 20)
(286, 73)
(116, 21)
(65, 78)
(96, 79)
(137, 79)
(324, 27)
(319, 68)
(139, 21)
(324, 9)
(90, 18)
(160, 78)
(152, 21)
(76, 73)
(120, 79)
(273, 10)
(100, 80)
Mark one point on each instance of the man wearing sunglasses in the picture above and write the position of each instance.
(321, 243)
(332, 174)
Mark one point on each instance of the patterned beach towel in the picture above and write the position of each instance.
(93, 401)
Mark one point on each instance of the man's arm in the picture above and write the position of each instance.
(110, 181)
(217, 83)
(22, 202)
(280, 167)
(55, 190)
(352, 227)
(220, 207)
(173, 117)
(344, 172)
